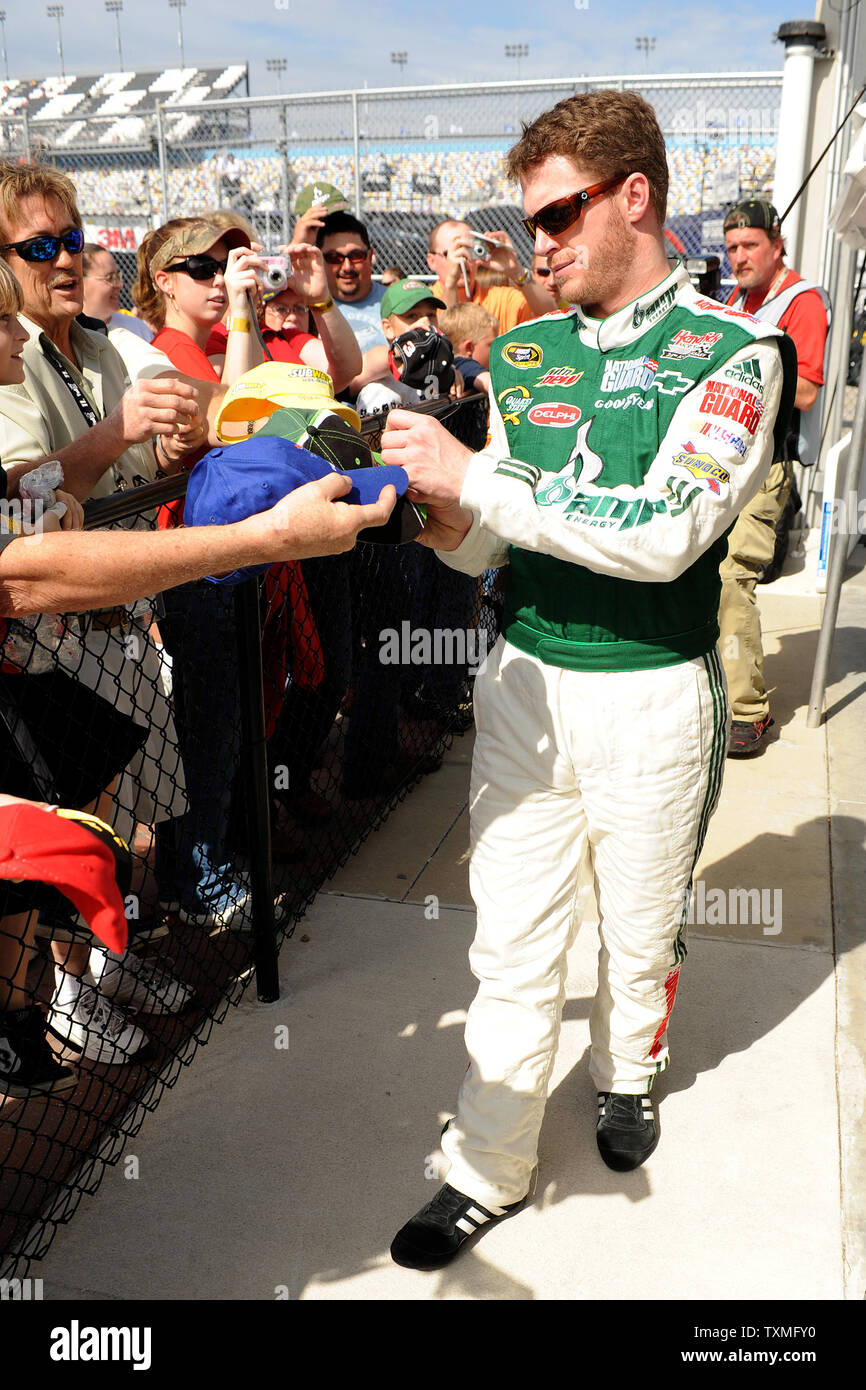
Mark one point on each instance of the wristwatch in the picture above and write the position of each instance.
(521, 281)
(323, 306)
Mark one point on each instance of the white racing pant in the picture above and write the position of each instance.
(577, 777)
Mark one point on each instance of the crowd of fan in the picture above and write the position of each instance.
(407, 181)
(130, 710)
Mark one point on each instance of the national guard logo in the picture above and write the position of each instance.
(523, 355)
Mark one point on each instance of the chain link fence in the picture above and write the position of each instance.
(405, 157)
(245, 741)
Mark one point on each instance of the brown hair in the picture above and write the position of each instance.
(469, 320)
(11, 298)
(147, 297)
(605, 133)
(19, 181)
(89, 250)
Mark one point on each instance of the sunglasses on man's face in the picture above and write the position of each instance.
(356, 257)
(557, 217)
(47, 248)
(541, 270)
(200, 267)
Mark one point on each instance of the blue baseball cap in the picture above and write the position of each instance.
(251, 476)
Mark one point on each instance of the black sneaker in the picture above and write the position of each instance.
(27, 1064)
(434, 1236)
(748, 737)
(626, 1131)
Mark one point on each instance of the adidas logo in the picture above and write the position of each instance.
(749, 373)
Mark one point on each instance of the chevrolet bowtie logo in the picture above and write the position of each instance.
(672, 383)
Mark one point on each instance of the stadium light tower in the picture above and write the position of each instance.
(114, 7)
(645, 44)
(3, 31)
(178, 5)
(56, 12)
(401, 57)
(277, 65)
(518, 51)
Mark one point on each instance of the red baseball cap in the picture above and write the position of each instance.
(77, 853)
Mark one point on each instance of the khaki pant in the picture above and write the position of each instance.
(750, 548)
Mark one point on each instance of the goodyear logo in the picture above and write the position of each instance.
(523, 355)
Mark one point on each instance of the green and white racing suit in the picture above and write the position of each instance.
(621, 451)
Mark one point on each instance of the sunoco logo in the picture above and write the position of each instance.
(523, 355)
(556, 415)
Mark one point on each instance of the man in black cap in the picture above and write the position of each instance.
(767, 288)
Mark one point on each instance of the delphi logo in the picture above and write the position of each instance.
(558, 415)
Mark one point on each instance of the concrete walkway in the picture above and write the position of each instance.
(276, 1170)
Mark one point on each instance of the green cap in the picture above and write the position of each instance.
(405, 294)
(752, 212)
(320, 193)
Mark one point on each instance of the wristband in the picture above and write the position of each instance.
(521, 281)
(323, 307)
(240, 326)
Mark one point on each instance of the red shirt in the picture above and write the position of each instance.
(282, 347)
(190, 359)
(184, 354)
(805, 320)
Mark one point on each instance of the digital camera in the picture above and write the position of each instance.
(275, 275)
(481, 246)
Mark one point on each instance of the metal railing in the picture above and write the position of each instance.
(405, 157)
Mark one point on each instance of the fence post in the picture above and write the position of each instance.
(163, 164)
(284, 173)
(357, 154)
(25, 132)
(254, 777)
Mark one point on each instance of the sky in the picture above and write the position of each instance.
(339, 44)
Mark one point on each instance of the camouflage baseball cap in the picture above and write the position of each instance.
(320, 193)
(752, 212)
(194, 240)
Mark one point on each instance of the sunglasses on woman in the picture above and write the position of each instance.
(557, 217)
(47, 248)
(200, 267)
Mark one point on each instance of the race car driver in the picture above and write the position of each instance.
(623, 444)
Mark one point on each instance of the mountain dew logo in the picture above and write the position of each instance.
(582, 466)
(748, 374)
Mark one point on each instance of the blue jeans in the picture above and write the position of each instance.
(199, 634)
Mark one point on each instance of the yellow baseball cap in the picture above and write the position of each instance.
(272, 386)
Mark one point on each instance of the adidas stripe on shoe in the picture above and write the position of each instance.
(433, 1237)
(626, 1132)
